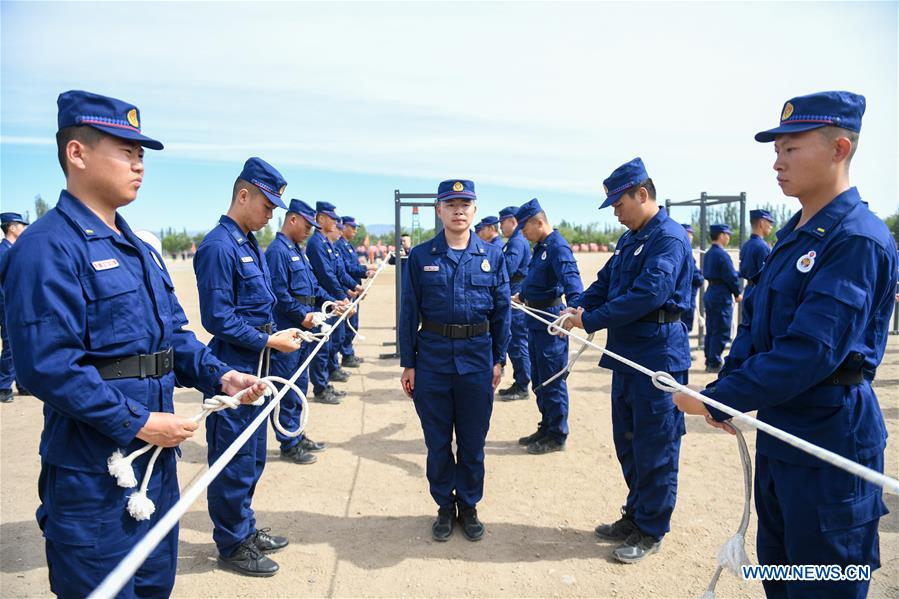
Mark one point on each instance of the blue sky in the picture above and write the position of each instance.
(353, 100)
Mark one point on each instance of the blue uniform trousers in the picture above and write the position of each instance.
(285, 365)
(816, 515)
(321, 366)
(548, 355)
(88, 530)
(647, 430)
(719, 312)
(231, 493)
(335, 342)
(7, 370)
(518, 349)
(460, 403)
(346, 348)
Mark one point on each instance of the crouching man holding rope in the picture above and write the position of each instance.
(639, 296)
(236, 306)
(98, 336)
(814, 331)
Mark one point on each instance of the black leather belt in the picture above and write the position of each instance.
(850, 372)
(139, 367)
(543, 304)
(455, 331)
(306, 300)
(715, 281)
(661, 317)
(517, 278)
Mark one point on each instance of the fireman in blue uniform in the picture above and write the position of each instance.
(724, 284)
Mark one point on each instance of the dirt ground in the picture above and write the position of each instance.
(359, 519)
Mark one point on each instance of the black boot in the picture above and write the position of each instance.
(249, 561)
(442, 528)
(267, 543)
(545, 445)
(532, 437)
(310, 445)
(513, 392)
(472, 528)
(618, 531)
(636, 547)
(299, 455)
(6, 395)
(353, 361)
(326, 396)
(339, 376)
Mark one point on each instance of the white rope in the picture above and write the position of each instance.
(119, 576)
(664, 381)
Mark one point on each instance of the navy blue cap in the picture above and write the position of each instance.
(486, 222)
(456, 188)
(623, 178)
(305, 210)
(327, 208)
(12, 217)
(720, 228)
(527, 210)
(348, 221)
(757, 214)
(109, 115)
(687, 227)
(507, 212)
(267, 178)
(823, 109)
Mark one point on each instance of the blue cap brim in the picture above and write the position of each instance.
(330, 213)
(770, 134)
(611, 200)
(145, 141)
(521, 224)
(310, 220)
(462, 195)
(276, 200)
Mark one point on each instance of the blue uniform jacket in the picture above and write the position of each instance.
(517, 251)
(236, 297)
(292, 275)
(698, 279)
(752, 256)
(552, 272)
(326, 264)
(498, 242)
(350, 259)
(651, 270)
(718, 265)
(435, 288)
(77, 292)
(803, 321)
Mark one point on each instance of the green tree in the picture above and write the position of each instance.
(40, 206)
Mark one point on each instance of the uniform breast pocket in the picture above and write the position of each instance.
(434, 293)
(481, 291)
(252, 283)
(783, 300)
(113, 307)
(297, 277)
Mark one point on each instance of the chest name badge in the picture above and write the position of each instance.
(432, 268)
(505, 248)
(246, 259)
(617, 252)
(543, 257)
(294, 258)
(485, 265)
(329, 250)
(806, 262)
(105, 264)
(638, 250)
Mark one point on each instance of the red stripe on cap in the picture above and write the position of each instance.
(105, 124)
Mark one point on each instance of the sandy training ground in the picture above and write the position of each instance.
(359, 519)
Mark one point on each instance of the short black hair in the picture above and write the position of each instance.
(716, 235)
(648, 184)
(5, 227)
(81, 133)
(406, 235)
(833, 133)
(243, 184)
